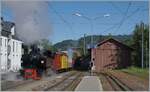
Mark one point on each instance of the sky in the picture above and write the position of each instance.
(122, 18)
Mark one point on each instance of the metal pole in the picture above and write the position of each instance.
(142, 29)
(91, 32)
(91, 22)
(146, 55)
(84, 45)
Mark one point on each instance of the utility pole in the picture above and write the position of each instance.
(142, 29)
(146, 60)
(92, 36)
(84, 44)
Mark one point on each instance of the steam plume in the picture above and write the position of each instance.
(31, 19)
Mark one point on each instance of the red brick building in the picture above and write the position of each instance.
(110, 54)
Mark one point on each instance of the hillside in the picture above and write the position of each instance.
(64, 45)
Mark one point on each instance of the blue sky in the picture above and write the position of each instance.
(67, 26)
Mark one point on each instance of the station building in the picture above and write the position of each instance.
(111, 54)
(10, 47)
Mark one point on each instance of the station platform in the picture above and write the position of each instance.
(89, 83)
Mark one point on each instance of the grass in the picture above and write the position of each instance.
(143, 73)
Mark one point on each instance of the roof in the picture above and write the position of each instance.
(61, 53)
(6, 29)
(112, 39)
(6, 26)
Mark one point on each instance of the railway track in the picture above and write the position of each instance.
(69, 83)
(27, 85)
(8, 85)
(116, 84)
(60, 83)
(72, 85)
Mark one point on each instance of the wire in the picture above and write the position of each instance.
(133, 13)
(110, 28)
(124, 17)
(60, 16)
(117, 8)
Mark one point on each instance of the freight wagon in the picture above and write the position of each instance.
(60, 62)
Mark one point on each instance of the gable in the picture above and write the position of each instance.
(112, 44)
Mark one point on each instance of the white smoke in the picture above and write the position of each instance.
(31, 19)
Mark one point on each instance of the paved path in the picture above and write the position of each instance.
(89, 83)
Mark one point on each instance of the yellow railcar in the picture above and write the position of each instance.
(64, 61)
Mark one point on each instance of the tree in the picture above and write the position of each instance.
(137, 44)
(47, 45)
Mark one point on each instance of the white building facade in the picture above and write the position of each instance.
(10, 48)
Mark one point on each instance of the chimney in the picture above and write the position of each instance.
(2, 19)
(1, 25)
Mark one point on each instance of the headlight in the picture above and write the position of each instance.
(42, 61)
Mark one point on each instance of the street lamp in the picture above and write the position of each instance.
(91, 23)
(107, 15)
(78, 14)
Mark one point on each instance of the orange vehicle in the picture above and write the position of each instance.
(60, 62)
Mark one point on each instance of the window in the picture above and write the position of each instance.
(0, 41)
(13, 46)
(16, 46)
(5, 42)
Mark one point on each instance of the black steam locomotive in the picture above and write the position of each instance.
(34, 62)
(82, 63)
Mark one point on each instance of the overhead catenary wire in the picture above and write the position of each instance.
(60, 16)
(110, 28)
(124, 17)
(117, 8)
(134, 12)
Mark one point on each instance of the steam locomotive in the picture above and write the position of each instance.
(34, 63)
(83, 63)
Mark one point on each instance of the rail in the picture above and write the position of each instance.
(66, 84)
(8, 85)
(115, 83)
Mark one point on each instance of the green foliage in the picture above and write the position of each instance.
(47, 45)
(133, 41)
(64, 45)
(143, 73)
(98, 38)
(137, 45)
(109, 35)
